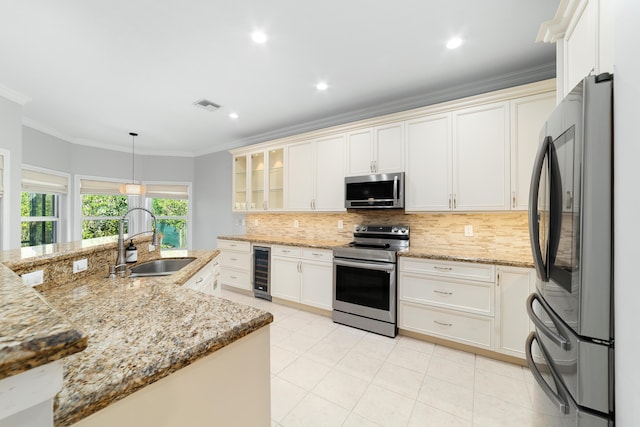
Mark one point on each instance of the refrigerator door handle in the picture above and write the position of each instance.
(557, 339)
(534, 228)
(556, 398)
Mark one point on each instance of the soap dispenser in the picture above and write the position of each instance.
(131, 254)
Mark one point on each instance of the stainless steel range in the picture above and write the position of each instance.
(364, 278)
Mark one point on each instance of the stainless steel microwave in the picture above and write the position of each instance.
(375, 191)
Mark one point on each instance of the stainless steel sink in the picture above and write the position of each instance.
(159, 267)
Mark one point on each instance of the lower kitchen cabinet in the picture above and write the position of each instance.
(206, 280)
(235, 263)
(475, 304)
(302, 275)
(513, 287)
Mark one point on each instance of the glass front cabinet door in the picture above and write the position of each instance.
(258, 180)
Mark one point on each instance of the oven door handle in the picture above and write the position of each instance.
(365, 264)
(555, 397)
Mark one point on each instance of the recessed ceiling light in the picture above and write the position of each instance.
(234, 115)
(322, 86)
(454, 43)
(259, 37)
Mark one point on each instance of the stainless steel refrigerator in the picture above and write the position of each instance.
(571, 350)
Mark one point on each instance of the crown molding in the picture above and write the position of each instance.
(385, 111)
(554, 29)
(13, 95)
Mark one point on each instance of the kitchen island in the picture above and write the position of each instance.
(139, 331)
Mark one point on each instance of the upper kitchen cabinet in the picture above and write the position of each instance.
(481, 158)
(376, 150)
(315, 174)
(528, 115)
(428, 160)
(258, 179)
(583, 31)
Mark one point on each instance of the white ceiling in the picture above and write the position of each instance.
(97, 70)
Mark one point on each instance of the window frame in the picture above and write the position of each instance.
(148, 204)
(62, 218)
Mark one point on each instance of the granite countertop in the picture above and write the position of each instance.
(134, 331)
(447, 253)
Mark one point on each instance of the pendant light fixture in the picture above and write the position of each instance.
(133, 189)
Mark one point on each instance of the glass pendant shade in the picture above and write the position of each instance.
(133, 189)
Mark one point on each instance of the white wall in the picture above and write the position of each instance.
(10, 139)
(212, 201)
(627, 210)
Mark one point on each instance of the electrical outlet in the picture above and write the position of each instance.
(468, 230)
(340, 224)
(80, 265)
(34, 278)
(255, 222)
(296, 224)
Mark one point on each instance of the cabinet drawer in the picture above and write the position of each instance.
(455, 326)
(238, 279)
(234, 245)
(458, 270)
(288, 251)
(239, 260)
(473, 297)
(317, 254)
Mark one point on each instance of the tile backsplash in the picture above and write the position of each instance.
(490, 230)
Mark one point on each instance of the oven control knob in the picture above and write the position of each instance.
(403, 230)
(394, 229)
(357, 228)
(363, 228)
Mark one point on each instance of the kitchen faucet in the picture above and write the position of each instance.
(120, 266)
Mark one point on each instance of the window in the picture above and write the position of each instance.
(170, 204)
(40, 206)
(102, 207)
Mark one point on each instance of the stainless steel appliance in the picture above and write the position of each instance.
(364, 278)
(571, 352)
(376, 191)
(261, 277)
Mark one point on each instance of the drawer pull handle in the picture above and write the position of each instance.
(316, 254)
(233, 259)
(437, 267)
(286, 251)
(443, 323)
(199, 280)
(233, 277)
(442, 292)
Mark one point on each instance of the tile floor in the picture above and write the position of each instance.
(325, 374)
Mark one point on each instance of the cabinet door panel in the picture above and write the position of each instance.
(428, 180)
(481, 158)
(317, 284)
(359, 152)
(389, 148)
(513, 288)
(285, 278)
(300, 176)
(330, 164)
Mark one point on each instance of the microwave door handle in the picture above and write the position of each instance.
(557, 339)
(395, 191)
(534, 226)
(556, 398)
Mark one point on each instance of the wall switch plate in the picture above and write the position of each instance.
(34, 278)
(296, 224)
(468, 230)
(80, 265)
(340, 224)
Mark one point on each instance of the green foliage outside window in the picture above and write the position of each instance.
(173, 230)
(33, 233)
(95, 207)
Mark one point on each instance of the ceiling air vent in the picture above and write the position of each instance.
(206, 104)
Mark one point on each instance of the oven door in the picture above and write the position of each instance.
(365, 288)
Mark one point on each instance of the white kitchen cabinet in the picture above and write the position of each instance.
(315, 174)
(450, 300)
(513, 286)
(258, 179)
(428, 161)
(528, 115)
(302, 275)
(583, 31)
(206, 280)
(376, 150)
(235, 264)
(481, 171)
